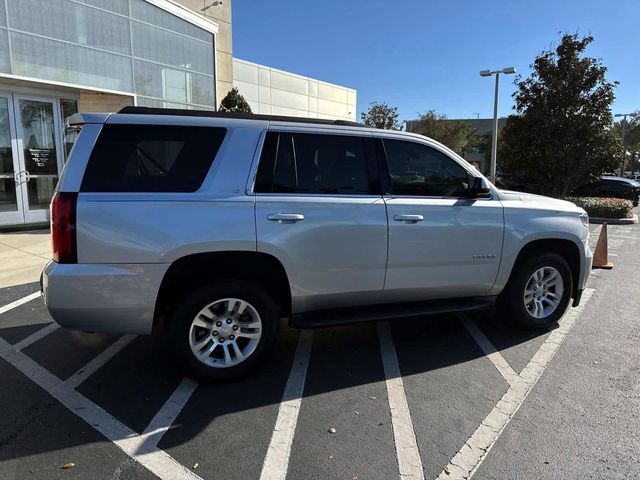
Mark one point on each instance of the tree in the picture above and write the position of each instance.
(381, 115)
(234, 102)
(562, 135)
(631, 138)
(456, 135)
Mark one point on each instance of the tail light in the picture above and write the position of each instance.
(63, 227)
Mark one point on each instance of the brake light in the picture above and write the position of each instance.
(63, 227)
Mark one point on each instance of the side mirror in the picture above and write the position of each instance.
(479, 188)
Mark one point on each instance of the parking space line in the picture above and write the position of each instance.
(165, 417)
(475, 450)
(33, 338)
(19, 302)
(157, 461)
(409, 461)
(99, 361)
(490, 351)
(276, 462)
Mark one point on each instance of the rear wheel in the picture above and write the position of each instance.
(538, 292)
(223, 329)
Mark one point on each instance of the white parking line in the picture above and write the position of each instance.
(98, 362)
(165, 417)
(19, 302)
(276, 462)
(33, 338)
(409, 461)
(469, 458)
(490, 351)
(158, 462)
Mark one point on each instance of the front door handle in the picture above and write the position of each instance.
(408, 218)
(285, 217)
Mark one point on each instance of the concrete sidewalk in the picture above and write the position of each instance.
(22, 256)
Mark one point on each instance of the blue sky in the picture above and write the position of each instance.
(420, 55)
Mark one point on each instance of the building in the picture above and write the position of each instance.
(478, 154)
(58, 57)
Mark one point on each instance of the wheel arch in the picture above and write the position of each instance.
(566, 248)
(193, 270)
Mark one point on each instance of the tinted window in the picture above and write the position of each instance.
(151, 158)
(417, 169)
(310, 163)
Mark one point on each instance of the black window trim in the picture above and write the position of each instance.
(386, 175)
(371, 152)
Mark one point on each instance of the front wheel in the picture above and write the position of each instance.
(223, 329)
(538, 292)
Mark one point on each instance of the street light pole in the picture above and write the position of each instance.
(494, 138)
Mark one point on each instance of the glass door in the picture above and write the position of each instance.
(10, 194)
(39, 153)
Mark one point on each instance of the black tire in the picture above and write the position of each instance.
(179, 325)
(511, 301)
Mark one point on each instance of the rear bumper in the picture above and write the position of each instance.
(102, 298)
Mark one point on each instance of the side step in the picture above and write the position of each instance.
(373, 313)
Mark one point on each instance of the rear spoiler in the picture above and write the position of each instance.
(77, 120)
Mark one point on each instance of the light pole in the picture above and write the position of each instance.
(624, 128)
(494, 140)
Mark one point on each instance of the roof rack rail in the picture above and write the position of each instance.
(237, 115)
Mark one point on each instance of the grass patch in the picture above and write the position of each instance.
(604, 207)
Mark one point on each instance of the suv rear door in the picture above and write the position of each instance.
(441, 243)
(320, 212)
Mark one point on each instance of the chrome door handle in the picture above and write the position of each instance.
(285, 217)
(408, 218)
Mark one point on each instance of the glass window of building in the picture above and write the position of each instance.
(128, 46)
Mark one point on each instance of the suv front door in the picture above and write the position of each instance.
(320, 212)
(442, 244)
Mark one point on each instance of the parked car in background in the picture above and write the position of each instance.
(613, 187)
(515, 182)
(212, 227)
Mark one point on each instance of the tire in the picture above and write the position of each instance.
(525, 304)
(240, 314)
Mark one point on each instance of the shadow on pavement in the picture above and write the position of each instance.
(136, 383)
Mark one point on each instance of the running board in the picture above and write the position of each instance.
(373, 313)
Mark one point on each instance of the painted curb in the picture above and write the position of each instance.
(614, 221)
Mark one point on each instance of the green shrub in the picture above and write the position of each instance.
(604, 207)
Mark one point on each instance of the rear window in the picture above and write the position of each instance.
(151, 158)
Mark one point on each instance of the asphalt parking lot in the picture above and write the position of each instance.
(449, 397)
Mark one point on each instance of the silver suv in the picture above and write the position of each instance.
(212, 227)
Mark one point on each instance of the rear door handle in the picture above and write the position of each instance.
(408, 218)
(285, 217)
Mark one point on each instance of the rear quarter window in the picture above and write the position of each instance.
(151, 158)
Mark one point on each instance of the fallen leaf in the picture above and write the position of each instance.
(446, 470)
(68, 465)
(357, 413)
(195, 465)
(330, 457)
(332, 430)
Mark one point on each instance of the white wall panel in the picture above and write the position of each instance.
(271, 91)
(245, 72)
(248, 90)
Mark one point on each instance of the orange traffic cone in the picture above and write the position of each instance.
(600, 259)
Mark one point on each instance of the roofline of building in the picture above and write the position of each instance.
(186, 14)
